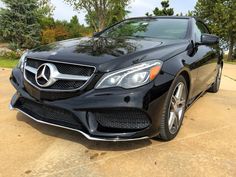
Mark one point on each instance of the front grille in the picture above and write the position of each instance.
(63, 68)
(122, 119)
(49, 114)
(59, 85)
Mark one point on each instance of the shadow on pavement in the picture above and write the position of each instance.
(79, 138)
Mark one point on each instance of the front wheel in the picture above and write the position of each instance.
(174, 109)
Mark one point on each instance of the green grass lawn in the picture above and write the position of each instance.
(8, 63)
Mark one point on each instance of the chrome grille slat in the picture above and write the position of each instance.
(81, 75)
(71, 77)
(31, 69)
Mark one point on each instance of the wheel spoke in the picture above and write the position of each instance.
(179, 92)
(179, 112)
(176, 123)
(172, 120)
(173, 101)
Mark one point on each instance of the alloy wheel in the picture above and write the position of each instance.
(177, 107)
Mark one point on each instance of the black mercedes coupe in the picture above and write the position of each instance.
(131, 81)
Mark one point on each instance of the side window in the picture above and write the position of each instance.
(199, 29)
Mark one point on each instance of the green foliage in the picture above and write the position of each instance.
(45, 12)
(181, 14)
(45, 8)
(165, 11)
(13, 46)
(190, 13)
(19, 22)
(117, 13)
(220, 15)
(60, 30)
(46, 22)
(74, 27)
(101, 13)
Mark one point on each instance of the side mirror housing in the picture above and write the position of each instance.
(209, 39)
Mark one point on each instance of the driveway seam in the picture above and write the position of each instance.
(230, 78)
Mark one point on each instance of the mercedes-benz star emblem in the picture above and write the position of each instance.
(44, 75)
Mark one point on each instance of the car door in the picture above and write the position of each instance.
(206, 59)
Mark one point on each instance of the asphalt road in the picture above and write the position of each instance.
(205, 146)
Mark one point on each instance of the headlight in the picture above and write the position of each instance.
(21, 62)
(131, 77)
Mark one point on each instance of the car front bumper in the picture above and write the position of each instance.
(89, 113)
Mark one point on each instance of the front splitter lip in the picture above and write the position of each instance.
(84, 134)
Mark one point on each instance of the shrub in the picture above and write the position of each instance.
(48, 36)
(54, 34)
(13, 46)
(61, 33)
(10, 54)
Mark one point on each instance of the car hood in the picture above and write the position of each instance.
(108, 54)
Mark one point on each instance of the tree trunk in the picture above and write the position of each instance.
(101, 23)
(231, 48)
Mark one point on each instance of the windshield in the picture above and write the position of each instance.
(150, 27)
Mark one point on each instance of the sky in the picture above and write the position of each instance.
(137, 8)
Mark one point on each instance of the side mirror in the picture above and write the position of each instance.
(209, 39)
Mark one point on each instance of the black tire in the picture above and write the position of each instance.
(216, 85)
(165, 133)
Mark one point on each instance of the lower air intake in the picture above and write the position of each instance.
(49, 114)
(122, 119)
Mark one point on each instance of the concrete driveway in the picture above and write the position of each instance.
(205, 146)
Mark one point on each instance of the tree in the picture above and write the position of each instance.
(190, 13)
(74, 27)
(220, 15)
(46, 22)
(101, 13)
(19, 22)
(45, 8)
(45, 12)
(118, 13)
(74, 21)
(165, 11)
(180, 14)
